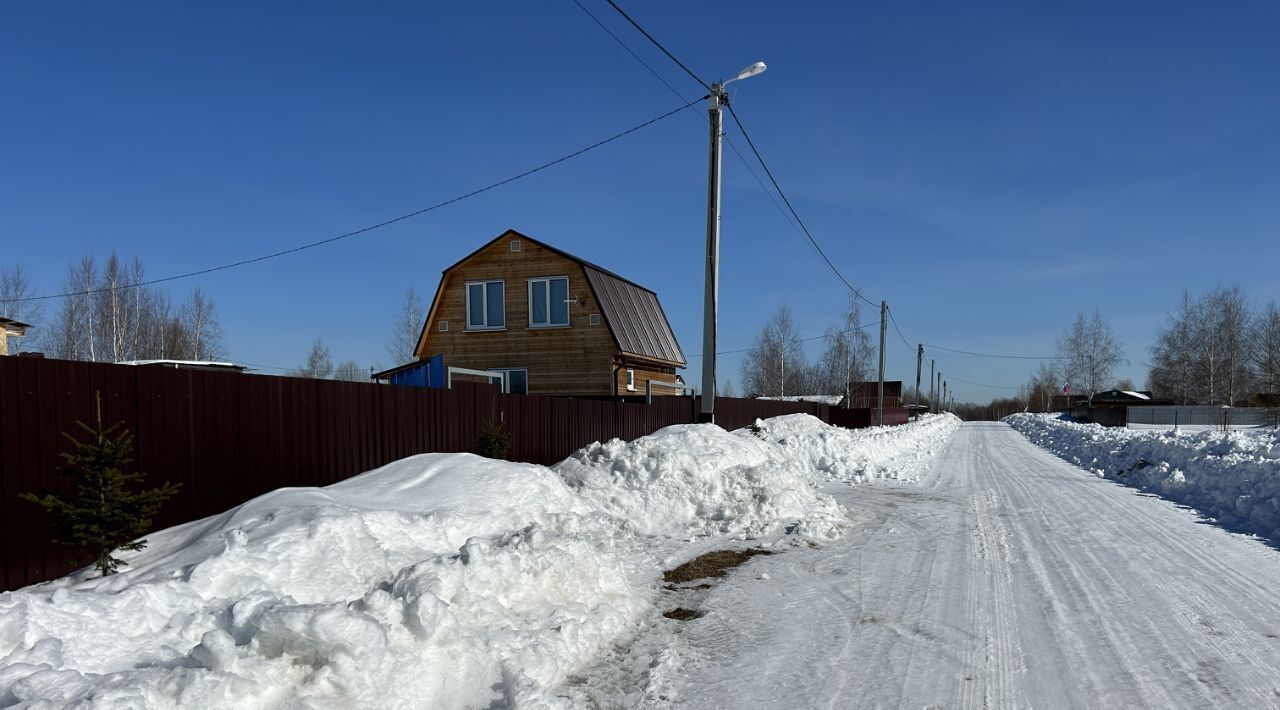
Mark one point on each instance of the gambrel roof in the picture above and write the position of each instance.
(631, 312)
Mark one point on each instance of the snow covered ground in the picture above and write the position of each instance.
(1233, 477)
(1005, 578)
(442, 580)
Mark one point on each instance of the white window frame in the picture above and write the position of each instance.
(568, 315)
(507, 376)
(484, 304)
(631, 380)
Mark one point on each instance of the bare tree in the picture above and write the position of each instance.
(1044, 386)
(1173, 359)
(201, 326)
(775, 364)
(319, 363)
(406, 328)
(15, 287)
(350, 371)
(1089, 352)
(848, 355)
(1265, 353)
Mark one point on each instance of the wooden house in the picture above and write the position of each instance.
(10, 328)
(557, 324)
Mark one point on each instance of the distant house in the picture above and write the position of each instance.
(555, 323)
(1126, 398)
(10, 328)
(864, 395)
(208, 365)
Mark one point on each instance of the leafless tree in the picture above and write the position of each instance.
(15, 287)
(1045, 384)
(848, 355)
(406, 328)
(319, 363)
(201, 326)
(350, 371)
(1204, 354)
(775, 365)
(1265, 351)
(1173, 357)
(1089, 352)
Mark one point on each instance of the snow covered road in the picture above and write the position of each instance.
(1007, 578)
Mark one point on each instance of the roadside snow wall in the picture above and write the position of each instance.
(1233, 477)
(441, 580)
(902, 452)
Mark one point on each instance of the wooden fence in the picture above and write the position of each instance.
(229, 437)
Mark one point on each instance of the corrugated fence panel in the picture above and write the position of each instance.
(229, 437)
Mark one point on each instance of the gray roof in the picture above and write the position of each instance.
(633, 315)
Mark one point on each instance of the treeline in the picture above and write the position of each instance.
(1217, 349)
(776, 365)
(111, 316)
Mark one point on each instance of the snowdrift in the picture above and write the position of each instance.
(860, 455)
(1233, 477)
(441, 580)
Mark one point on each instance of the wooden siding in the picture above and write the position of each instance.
(573, 360)
(644, 373)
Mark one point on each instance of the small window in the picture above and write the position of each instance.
(549, 301)
(444, 326)
(515, 245)
(594, 319)
(631, 380)
(517, 378)
(486, 309)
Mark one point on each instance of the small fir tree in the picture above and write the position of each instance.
(104, 514)
(494, 442)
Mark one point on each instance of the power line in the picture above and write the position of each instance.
(733, 146)
(1004, 357)
(658, 44)
(370, 228)
(948, 377)
(801, 340)
(794, 214)
(894, 322)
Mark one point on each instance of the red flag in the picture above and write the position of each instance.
(1066, 389)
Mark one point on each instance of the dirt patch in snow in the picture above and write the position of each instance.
(682, 614)
(716, 563)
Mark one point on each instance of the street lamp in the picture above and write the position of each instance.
(715, 109)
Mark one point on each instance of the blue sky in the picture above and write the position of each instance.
(990, 169)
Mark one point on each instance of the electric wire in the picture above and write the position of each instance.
(783, 195)
(1004, 357)
(370, 228)
(864, 326)
(658, 44)
(704, 119)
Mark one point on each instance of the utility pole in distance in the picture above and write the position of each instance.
(919, 364)
(884, 309)
(933, 401)
(710, 304)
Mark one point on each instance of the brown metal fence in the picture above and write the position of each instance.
(229, 437)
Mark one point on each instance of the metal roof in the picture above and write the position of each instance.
(634, 316)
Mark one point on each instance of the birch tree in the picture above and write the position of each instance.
(775, 350)
(406, 328)
(1089, 352)
(15, 288)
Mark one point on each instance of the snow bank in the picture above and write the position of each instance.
(857, 455)
(441, 580)
(1231, 476)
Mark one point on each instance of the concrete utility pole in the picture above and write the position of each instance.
(944, 392)
(710, 303)
(933, 400)
(884, 310)
(919, 364)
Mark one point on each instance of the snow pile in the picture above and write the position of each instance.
(857, 455)
(1231, 476)
(700, 479)
(441, 580)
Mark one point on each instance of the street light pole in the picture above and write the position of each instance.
(711, 295)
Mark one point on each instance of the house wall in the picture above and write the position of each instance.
(577, 359)
(643, 373)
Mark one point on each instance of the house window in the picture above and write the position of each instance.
(631, 380)
(549, 301)
(517, 378)
(485, 307)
